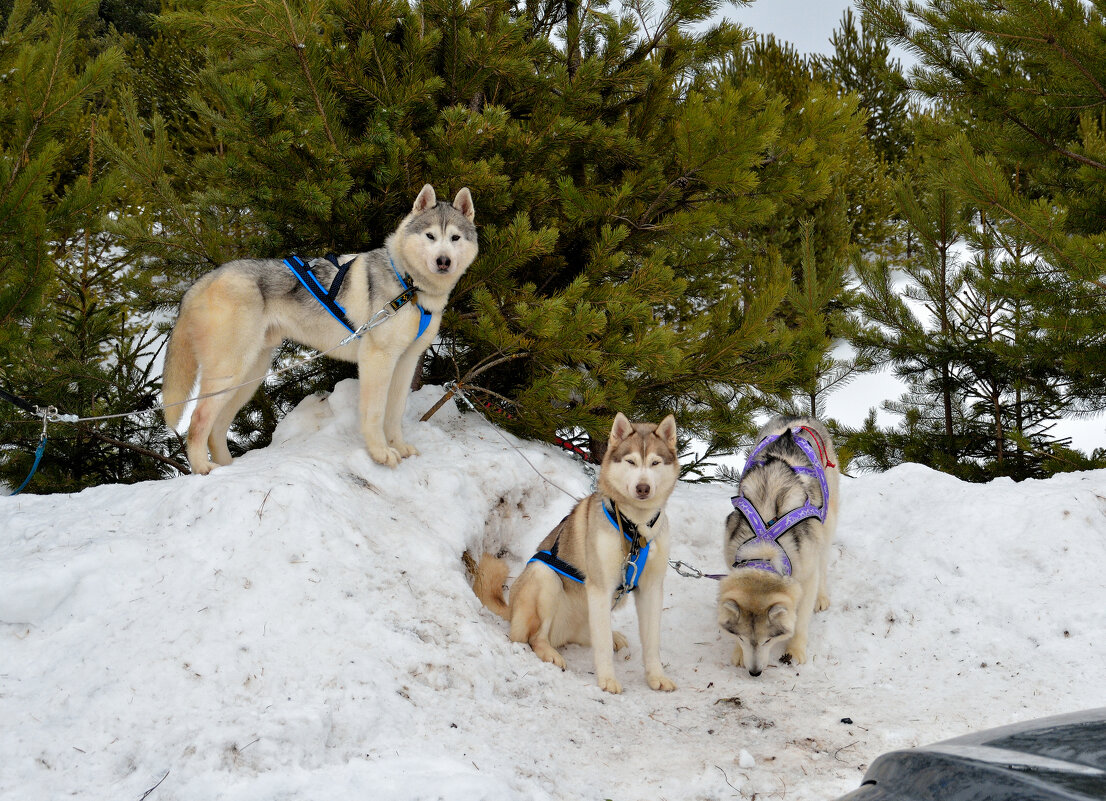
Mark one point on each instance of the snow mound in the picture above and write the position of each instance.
(299, 625)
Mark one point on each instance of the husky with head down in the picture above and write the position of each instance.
(777, 542)
(232, 320)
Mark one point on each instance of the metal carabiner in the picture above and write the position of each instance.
(48, 415)
(684, 569)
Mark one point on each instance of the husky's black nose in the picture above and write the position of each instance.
(754, 673)
(443, 264)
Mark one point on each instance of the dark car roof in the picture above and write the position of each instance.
(1061, 758)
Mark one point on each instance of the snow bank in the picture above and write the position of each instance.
(299, 626)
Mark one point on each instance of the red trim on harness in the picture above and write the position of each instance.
(822, 454)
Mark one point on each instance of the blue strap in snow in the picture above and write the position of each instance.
(38, 458)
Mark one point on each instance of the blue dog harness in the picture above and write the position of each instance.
(328, 299)
(556, 563)
(635, 559)
(771, 531)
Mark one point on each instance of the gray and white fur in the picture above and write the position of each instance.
(232, 320)
(770, 612)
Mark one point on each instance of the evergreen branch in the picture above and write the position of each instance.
(136, 448)
(1041, 138)
(301, 54)
(485, 391)
(682, 182)
(1041, 237)
(1050, 41)
(37, 117)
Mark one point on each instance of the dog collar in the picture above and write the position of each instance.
(412, 294)
(639, 552)
(770, 533)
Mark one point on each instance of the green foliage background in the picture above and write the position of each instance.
(676, 215)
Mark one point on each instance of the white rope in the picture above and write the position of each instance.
(461, 394)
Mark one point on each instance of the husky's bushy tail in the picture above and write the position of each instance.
(179, 374)
(488, 579)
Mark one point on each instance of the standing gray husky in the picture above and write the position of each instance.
(778, 541)
(233, 318)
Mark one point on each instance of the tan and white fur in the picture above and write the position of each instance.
(638, 473)
(233, 318)
(767, 611)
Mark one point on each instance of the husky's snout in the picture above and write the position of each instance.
(443, 264)
(643, 490)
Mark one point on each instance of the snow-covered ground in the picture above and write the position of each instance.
(299, 626)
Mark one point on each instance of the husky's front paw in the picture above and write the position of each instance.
(382, 454)
(661, 682)
(201, 468)
(738, 657)
(797, 651)
(610, 684)
(620, 641)
(547, 653)
(403, 449)
(822, 603)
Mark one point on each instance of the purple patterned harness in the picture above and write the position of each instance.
(771, 532)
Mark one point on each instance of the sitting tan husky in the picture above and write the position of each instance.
(778, 541)
(612, 543)
(233, 318)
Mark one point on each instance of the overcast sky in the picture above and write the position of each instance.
(807, 24)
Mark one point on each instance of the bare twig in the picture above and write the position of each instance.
(839, 750)
(471, 374)
(727, 778)
(143, 798)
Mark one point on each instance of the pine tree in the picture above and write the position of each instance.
(630, 243)
(1031, 154)
(636, 254)
(49, 80)
(984, 389)
(831, 203)
(861, 64)
(915, 329)
(821, 312)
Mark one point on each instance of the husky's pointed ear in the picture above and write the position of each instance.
(463, 204)
(426, 199)
(777, 610)
(621, 429)
(667, 431)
